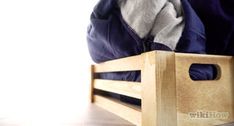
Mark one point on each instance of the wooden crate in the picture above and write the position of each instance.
(168, 96)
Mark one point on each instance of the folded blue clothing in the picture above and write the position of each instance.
(109, 37)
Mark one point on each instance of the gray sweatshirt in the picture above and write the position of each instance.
(162, 19)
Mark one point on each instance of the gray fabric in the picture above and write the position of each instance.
(162, 19)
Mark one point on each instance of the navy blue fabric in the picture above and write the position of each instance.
(109, 37)
(218, 18)
(193, 40)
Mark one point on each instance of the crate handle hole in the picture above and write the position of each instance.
(203, 72)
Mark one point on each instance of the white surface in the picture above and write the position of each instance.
(43, 60)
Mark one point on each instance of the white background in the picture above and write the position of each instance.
(44, 60)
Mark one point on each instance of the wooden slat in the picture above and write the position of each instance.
(131, 89)
(91, 83)
(166, 89)
(148, 102)
(202, 57)
(122, 64)
(127, 112)
(159, 90)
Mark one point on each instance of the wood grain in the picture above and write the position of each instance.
(204, 96)
(131, 89)
(122, 64)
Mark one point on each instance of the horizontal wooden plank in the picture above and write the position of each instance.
(122, 64)
(128, 112)
(202, 58)
(131, 89)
